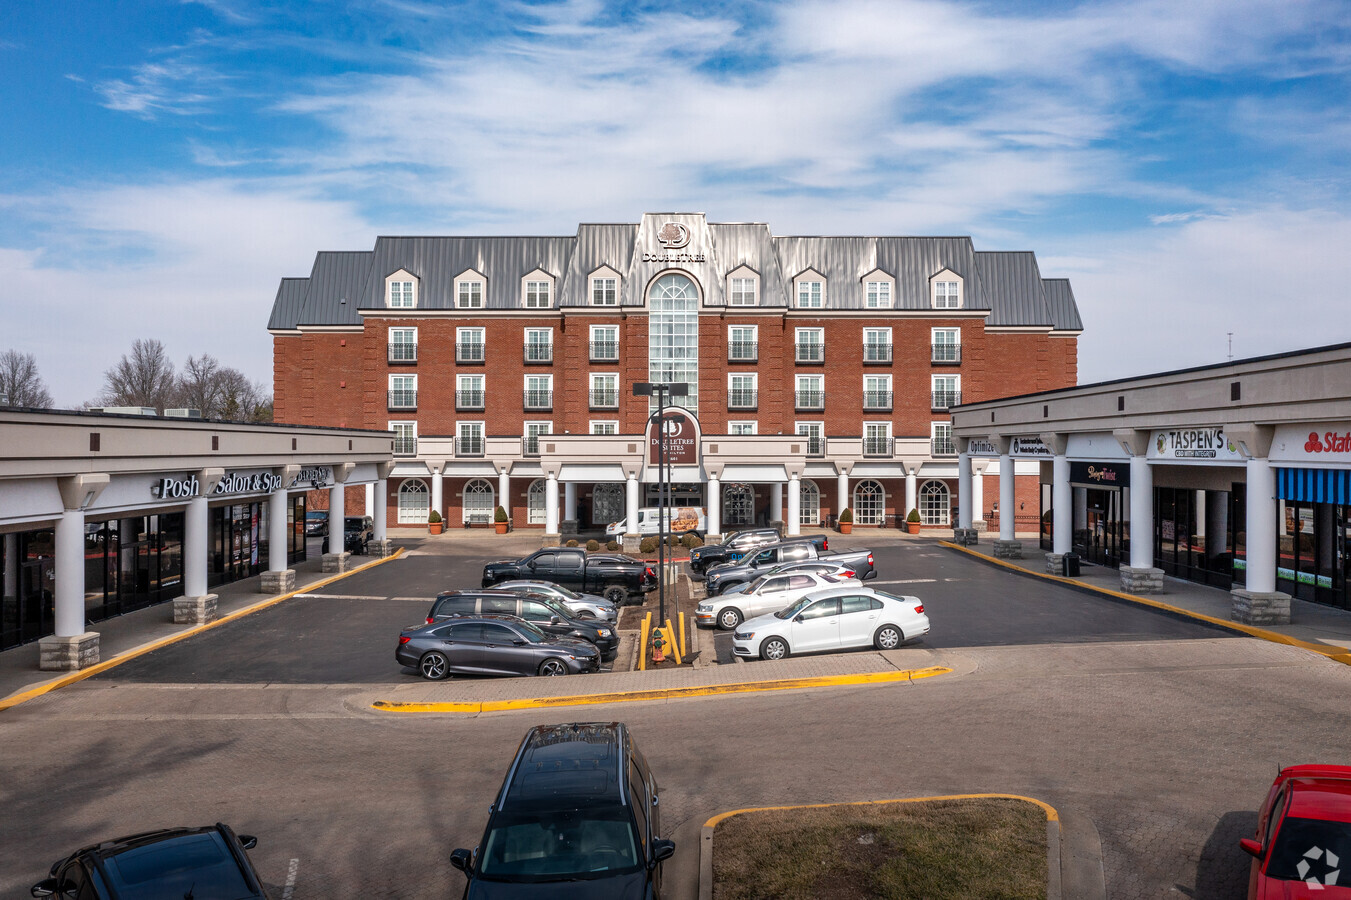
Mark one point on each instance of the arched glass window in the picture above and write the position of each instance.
(478, 504)
(738, 505)
(870, 503)
(607, 504)
(414, 502)
(534, 503)
(935, 504)
(673, 336)
(810, 510)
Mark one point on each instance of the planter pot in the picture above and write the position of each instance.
(912, 527)
(435, 527)
(846, 527)
(501, 527)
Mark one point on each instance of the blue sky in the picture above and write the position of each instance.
(163, 165)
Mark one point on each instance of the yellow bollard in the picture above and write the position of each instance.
(682, 634)
(674, 649)
(642, 643)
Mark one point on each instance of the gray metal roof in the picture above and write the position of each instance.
(437, 262)
(334, 287)
(1060, 301)
(1013, 283)
(289, 302)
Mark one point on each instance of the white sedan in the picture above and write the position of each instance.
(834, 619)
(763, 595)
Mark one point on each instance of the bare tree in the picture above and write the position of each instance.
(20, 384)
(200, 385)
(143, 378)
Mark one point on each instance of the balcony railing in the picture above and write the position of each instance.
(403, 399)
(811, 353)
(605, 399)
(466, 353)
(877, 353)
(539, 400)
(405, 446)
(741, 399)
(877, 446)
(807, 400)
(530, 445)
(946, 399)
(743, 351)
(816, 445)
(943, 446)
(539, 353)
(604, 351)
(947, 354)
(877, 400)
(469, 399)
(471, 445)
(403, 353)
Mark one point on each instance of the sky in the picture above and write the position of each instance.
(164, 164)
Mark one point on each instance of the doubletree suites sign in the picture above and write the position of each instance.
(682, 439)
(232, 483)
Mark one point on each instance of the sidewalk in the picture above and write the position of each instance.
(1311, 623)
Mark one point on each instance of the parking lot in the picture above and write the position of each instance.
(1158, 735)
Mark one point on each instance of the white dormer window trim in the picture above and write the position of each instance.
(947, 290)
(602, 287)
(401, 290)
(879, 290)
(537, 290)
(743, 287)
(809, 290)
(470, 288)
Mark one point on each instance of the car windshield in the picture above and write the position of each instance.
(559, 845)
(562, 591)
(316, 515)
(198, 865)
(755, 585)
(794, 609)
(353, 523)
(530, 632)
(552, 605)
(1311, 842)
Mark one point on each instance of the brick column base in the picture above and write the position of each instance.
(965, 536)
(1055, 563)
(380, 549)
(551, 540)
(712, 539)
(68, 654)
(282, 582)
(1141, 581)
(336, 562)
(197, 610)
(979, 525)
(1259, 607)
(1008, 549)
(631, 542)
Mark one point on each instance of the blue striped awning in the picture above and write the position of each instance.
(1314, 485)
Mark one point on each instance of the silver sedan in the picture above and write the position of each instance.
(766, 594)
(582, 606)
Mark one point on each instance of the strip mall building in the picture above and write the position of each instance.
(820, 370)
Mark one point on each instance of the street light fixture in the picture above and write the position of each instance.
(661, 390)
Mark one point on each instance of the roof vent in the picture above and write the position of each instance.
(182, 413)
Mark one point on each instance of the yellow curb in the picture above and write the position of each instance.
(24, 696)
(1336, 654)
(1051, 814)
(782, 684)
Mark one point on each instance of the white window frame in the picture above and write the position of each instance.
(926, 507)
(399, 426)
(612, 337)
(462, 333)
(548, 343)
(548, 388)
(747, 427)
(934, 428)
(810, 293)
(754, 331)
(881, 385)
(753, 378)
(535, 287)
(875, 431)
(466, 282)
(954, 380)
(467, 383)
(815, 383)
(412, 515)
(737, 281)
(409, 333)
(880, 337)
(612, 387)
(401, 290)
(818, 333)
(948, 291)
(600, 279)
(471, 425)
(541, 427)
(956, 334)
(806, 429)
(603, 426)
(409, 385)
(877, 294)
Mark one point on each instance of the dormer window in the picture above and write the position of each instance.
(604, 287)
(879, 289)
(537, 295)
(469, 290)
(810, 294)
(400, 290)
(947, 291)
(743, 287)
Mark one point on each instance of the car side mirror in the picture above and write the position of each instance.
(248, 841)
(662, 849)
(463, 860)
(44, 888)
(555, 620)
(1250, 846)
(519, 642)
(798, 618)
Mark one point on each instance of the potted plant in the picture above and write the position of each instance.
(500, 520)
(846, 520)
(912, 521)
(434, 524)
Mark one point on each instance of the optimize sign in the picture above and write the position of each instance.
(682, 439)
(1193, 444)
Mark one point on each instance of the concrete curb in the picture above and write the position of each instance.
(1054, 875)
(46, 688)
(1336, 654)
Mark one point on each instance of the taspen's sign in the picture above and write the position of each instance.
(232, 483)
(1193, 444)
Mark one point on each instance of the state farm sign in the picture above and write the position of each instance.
(1312, 444)
(682, 439)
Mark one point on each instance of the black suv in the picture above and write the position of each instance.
(733, 548)
(173, 862)
(543, 612)
(577, 817)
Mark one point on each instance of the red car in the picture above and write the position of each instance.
(1303, 843)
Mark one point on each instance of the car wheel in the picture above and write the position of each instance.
(888, 637)
(774, 648)
(617, 595)
(552, 666)
(434, 666)
(729, 618)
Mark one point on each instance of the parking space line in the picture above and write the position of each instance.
(341, 597)
(291, 871)
(872, 582)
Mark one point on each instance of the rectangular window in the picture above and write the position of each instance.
(402, 345)
(877, 392)
(877, 439)
(810, 294)
(815, 433)
(942, 442)
(539, 392)
(741, 427)
(810, 392)
(539, 345)
(537, 295)
(879, 295)
(469, 439)
(471, 295)
(945, 295)
(401, 295)
(604, 291)
(947, 345)
(604, 426)
(604, 342)
(877, 345)
(946, 391)
(811, 345)
(469, 345)
(743, 292)
(405, 438)
(604, 391)
(741, 392)
(741, 343)
(533, 430)
(403, 392)
(469, 392)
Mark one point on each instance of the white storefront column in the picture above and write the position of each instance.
(1258, 602)
(911, 489)
(794, 522)
(714, 510)
(279, 578)
(438, 498)
(1140, 577)
(841, 493)
(570, 523)
(335, 560)
(71, 647)
(380, 515)
(370, 499)
(11, 567)
(1008, 546)
(631, 504)
(504, 492)
(776, 502)
(1062, 502)
(964, 533)
(551, 504)
(978, 495)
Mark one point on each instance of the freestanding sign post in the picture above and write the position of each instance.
(661, 390)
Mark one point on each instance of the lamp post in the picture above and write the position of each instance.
(661, 390)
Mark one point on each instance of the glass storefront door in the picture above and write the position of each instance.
(27, 611)
(234, 542)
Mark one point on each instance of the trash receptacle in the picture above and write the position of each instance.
(1071, 561)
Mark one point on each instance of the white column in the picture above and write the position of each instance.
(1261, 527)
(631, 505)
(337, 501)
(11, 566)
(776, 502)
(1007, 497)
(380, 504)
(504, 491)
(277, 543)
(714, 505)
(794, 505)
(1142, 513)
(964, 490)
(69, 540)
(195, 548)
(911, 491)
(551, 504)
(437, 503)
(370, 500)
(842, 490)
(570, 501)
(1062, 501)
(977, 496)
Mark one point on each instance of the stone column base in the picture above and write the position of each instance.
(1055, 563)
(1008, 549)
(1141, 581)
(965, 536)
(282, 582)
(979, 525)
(712, 539)
(569, 526)
(199, 610)
(1260, 607)
(336, 562)
(380, 549)
(551, 540)
(631, 542)
(68, 654)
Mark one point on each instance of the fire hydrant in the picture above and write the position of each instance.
(657, 644)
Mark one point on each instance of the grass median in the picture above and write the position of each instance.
(987, 848)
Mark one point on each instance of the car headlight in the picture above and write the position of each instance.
(704, 607)
(742, 635)
(605, 632)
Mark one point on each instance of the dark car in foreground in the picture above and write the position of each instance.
(492, 645)
(316, 522)
(542, 612)
(208, 863)
(1303, 839)
(577, 817)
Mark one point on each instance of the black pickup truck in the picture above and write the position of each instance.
(612, 575)
(733, 548)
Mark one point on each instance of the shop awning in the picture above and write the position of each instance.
(409, 469)
(481, 468)
(757, 474)
(597, 473)
(878, 470)
(819, 470)
(1314, 485)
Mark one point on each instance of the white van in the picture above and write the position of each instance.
(682, 520)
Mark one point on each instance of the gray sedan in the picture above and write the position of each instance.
(582, 606)
(492, 645)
